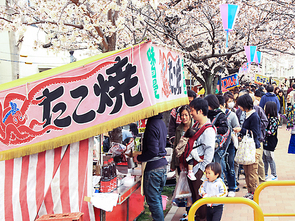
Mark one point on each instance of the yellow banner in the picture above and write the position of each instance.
(260, 79)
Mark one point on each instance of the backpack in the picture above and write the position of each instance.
(290, 116)
(190, 143)
(222, 141)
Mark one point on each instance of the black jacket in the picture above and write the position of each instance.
(221, 122)
(252, 123)
(263, 120)
(154, 143)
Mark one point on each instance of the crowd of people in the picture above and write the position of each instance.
(210, 129)
(252, 109)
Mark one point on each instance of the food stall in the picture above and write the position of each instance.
(49, 121)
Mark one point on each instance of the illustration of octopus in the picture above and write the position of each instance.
(13, 119)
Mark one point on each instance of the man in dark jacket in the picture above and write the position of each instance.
(269, 96)
(155, 174)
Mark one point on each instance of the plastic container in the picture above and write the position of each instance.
(111, 176)
(105, 180)
(114, 173)
(164, 201)
(128, 180)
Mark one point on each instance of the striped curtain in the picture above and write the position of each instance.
(50, 182)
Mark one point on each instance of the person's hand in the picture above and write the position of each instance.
(135, 159)
(237, 129)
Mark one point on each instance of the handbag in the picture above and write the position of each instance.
(246, 151)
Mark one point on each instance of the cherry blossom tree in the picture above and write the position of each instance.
(101, 26)
(73, 24)
(195, 27)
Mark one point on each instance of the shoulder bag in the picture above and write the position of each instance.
(246, 151)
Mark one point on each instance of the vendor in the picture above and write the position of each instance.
(153, 157)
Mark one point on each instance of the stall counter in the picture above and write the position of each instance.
(129, 206)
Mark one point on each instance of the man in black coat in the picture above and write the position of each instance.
(153, 157)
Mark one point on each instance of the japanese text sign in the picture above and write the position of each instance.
(88, 97)
(229, 82)
(260, 79)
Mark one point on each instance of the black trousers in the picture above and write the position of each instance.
(214, 213)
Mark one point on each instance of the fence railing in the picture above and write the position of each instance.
(272, 183)
(258, 214)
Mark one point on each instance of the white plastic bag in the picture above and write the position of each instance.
(246, 151)
(182, 189)
(235, 140)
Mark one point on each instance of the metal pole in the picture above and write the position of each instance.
(220, 90)
(190, 82)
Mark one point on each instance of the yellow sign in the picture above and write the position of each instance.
(260, 79)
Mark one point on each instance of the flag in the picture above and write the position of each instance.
(50, 182)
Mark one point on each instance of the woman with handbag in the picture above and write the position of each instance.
(251, 125)
(186, 123)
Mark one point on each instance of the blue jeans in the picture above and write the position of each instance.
(154, 181)
(219, 158)
(229, 169)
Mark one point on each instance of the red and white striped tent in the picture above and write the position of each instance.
(50, 182)
(48, 120)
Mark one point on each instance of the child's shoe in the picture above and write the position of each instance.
(231, 194)
(191, 175)
(249, 196)
(272, 178)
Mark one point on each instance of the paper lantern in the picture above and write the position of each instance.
(257, 57)
(250, 53)
(228, 15)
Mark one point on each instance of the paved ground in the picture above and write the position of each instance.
(272, 199)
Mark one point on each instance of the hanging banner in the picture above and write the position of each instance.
(89, 97)
(229, 82)
(250, 53)
(260, 79)
(228, 15)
